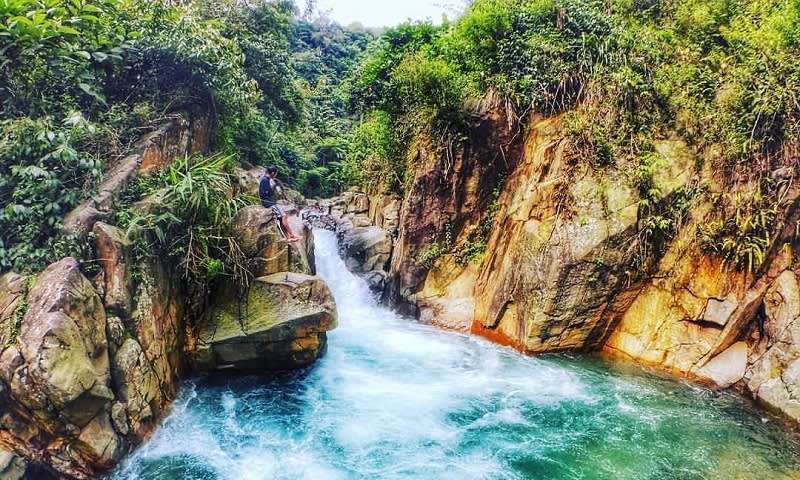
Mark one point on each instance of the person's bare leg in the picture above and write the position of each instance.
(290, 235)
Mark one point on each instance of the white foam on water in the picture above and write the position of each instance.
(394, 399)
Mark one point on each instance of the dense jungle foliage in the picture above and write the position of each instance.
(80, 80)
(722, 74)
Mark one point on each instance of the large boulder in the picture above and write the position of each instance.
(279, 324)
(55, 380)
(369, 248)
(773, 375)
(63, 342)
(137, 388)
(265, 250)
(727, 368)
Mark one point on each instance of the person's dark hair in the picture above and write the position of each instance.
(272, 169)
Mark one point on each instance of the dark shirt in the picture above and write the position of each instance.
(266, 191)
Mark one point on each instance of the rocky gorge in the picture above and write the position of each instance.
(90, 362)
(566, 266)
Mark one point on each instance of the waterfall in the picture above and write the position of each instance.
(394, 399)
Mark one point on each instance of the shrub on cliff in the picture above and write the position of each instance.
(722, 74)
(43, 175)
(184, 214)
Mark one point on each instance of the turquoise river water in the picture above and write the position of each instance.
(394, 399)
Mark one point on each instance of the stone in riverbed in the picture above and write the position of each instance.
(136, 384)
(100, 442)
(728, 367)
(370, 247)
(279, 324)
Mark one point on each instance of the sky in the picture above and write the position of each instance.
(387, 13)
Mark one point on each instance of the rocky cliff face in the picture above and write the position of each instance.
(568, 263)
(450, 195)
(89, 365)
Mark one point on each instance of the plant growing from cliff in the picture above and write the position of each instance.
(473, 247)
(18, 315)
(659, 216)
(429, 255)
(44, 173)
(189, 216)
(742, 237)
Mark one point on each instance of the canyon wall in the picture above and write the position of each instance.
(568, 264)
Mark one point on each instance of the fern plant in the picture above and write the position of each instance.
(188, 217)
(743, 237)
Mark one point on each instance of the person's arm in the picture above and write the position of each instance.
(276, 187)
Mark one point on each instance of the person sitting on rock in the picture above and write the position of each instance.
(267, 190)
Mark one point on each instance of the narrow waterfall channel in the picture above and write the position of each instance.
(393, 399)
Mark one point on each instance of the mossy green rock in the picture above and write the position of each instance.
(279, 324)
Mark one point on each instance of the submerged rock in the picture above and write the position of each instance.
(279, 324)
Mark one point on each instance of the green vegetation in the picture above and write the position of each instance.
(721, 74)
(14, 323)
(742, 238)
(185, 214)
(80, 80)
(472, 247)
(429, 255)
(46, 171)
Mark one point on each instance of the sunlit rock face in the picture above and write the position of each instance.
(773, 375)
(567, 265)
(451, 190)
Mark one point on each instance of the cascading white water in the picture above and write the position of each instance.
(395, 399)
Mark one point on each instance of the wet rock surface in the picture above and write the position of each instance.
(366, 227)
